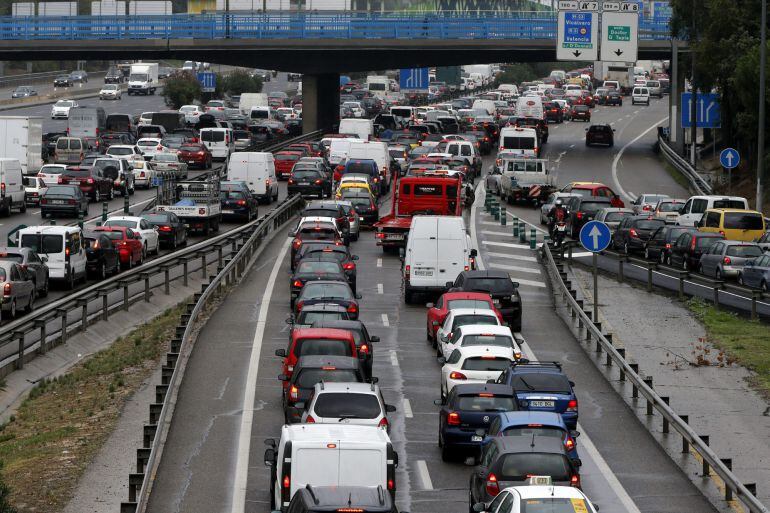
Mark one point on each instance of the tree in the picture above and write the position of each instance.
(516, 74)
(181, 89)
(238, 82)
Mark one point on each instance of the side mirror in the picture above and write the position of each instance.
(577, 462)
(280, 352)
(492, 381)
(374, 380)
(390, 408)
(441, 360)
(290, 319)
(374, 338)
(523, 361)
(479, 507)
(572, 383)
(449, 284)
(358, 296)
(292, 233)
(354, 257)
(428, 305)
(574, 434)
(270, 442)
(283, 377)
(270, 457)
(44, 259)
(515, 284)
(474, 253)
(438, 402)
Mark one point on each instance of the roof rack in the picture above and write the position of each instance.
(528, 363)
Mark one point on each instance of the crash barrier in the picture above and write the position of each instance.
(249, 242)
(588, 320)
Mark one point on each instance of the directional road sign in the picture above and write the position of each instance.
(729, 158)
(610, 6)
(707, 111)
(578, 5)
(208, 81)
(414, 79)
(595, 236)
(620, 33)
(661, 10)
(578, 36)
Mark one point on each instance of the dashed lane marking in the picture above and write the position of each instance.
(379, 262)
(517, 268)
(385, 320)
(422, 470)
(393, 358)
(513, 257)
(379, 288)
(408, 409)
(527, 283)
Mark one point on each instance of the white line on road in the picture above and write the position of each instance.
(379, 262)
(514, 257)
(517, 268)
(528, 283)
(571, 145)
(247, 418)
(620, 155)
(422, 469)
(408, 409)
(385, 321)
(476, 205)
(379, 288)
(393, 358)
(506, 244)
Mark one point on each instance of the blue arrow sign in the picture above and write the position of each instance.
(729, 158)
(208, 81)
(595, 236)
(707, 110)
(414, 79)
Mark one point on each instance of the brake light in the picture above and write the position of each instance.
(383, 423)
(159, 147)
(297, 283)
(722, 233)
(318, 182)
(633, 233)
(300, 305)
(569, 443)
(692, 245)
(381, 235)
(668, 245)
(407, 271)
(352, 308)
(457, 375)
(349, 266)
(492, 487)
(310, 419)
(7, 289)
(164, 228)
(727, 261)
(286, 481)
(575, 481)
(297, 243)
(467, 268)
(646, 207)
(391, 484)
(291, 181)
(453, 419)
(293, 393)
(572, 405)
(364, 349)
(579, 215)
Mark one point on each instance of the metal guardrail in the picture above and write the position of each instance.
(697, 182)
(301, 25)
(630, 372)
(161, 412)
(29, 78)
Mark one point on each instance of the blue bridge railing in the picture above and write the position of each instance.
(298, 25)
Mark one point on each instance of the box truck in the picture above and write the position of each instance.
(249, 100)
(143, 78)
(21, 138)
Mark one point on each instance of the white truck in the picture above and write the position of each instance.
(21, 138)
(615, 71)
(198, 205)
(524, 180)
(484, 70)
(143, 78)
(249, 100)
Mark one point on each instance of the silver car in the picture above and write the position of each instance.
(612, 216)
(645, 203)
(353, 217)
(726, 258)
(23, 92)
(348, 403)
(19, 289)
(169, 162)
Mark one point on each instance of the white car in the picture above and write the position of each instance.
(110, 92)
(143, 173)
(348, 403)
(474, 364)
(147, 232)
(150, 146)
(61, 109)
(462, 317)
(355, 108)
(539, 494)
(481, 335)
(309, 223)
(145, 118)
(34, 187)
(191, 113)
(125, 151)
(169, 162)
(49, 173)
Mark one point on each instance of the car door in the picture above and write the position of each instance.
(150, 234)
(710, 259)
(679, 249)
(752, 273)
(656, 242)
(23, 283)
(37, 267)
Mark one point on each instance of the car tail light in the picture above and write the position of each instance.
(383, 423)
(291, 181)
(407, 271)
(286, 481)
(164, 228)
(318, 182)
(457, 375)
(692, 244)
(492, 487)
(352, 308)
(646, 207)
(726, 260)
(297, 243)
(453, 419)
(364, 349)
(297, 283)
(349, 266)
(293, 393)
(569, 443)
(668, 245)
(579, 215)
(241, 203)
(381, 235)
(572, 405)
(310, 419)
(391, 484)
(722, 233)
(633, 233)
(7, 289)
(575, 481)
(300, 305)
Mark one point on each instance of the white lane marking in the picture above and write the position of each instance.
(507, 233)
(508, 244)
(422, 469)
(571, 145)
(528, 283)
(34, 212)
(516, 268)
(385, 320)
(620, 155)
(489, 223)
(514, 257)
(393, 358)
(479, 195)
(247, 417)
(379, 288)
(379, 262)
(118, 211)
(408, 409)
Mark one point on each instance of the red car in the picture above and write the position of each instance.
(318, 342)
(128, 242)
(284, 162)
(588, 99)
(304, 148)
(195, 154)
(594, 189)
(437, 313)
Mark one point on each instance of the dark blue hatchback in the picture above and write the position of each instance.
(533, 424)
(467, 412)
(542, 387)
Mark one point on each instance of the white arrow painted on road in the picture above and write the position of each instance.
(595, 233)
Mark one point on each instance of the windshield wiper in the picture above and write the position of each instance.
(524, 381)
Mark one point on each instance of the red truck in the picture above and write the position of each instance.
(415, 195)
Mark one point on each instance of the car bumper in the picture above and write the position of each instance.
(59, 209)
(731, 271)
(460, 438)
(305, 190)
(229, 212)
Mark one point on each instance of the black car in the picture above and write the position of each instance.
(318, 499)
(117, 138)
(365, 206)
(658, 247)
(468, 409)
(309, 181)
(310, 370)
(113, 76)
(171, 229)
(553, 112)
(690, 246)
(329, 209)
(314, 269)
(62, 81)
(103, 258)
(600, 134)
(36, 266)
(363, 338)
(328, 292)
(237, 201)
(329, 251)
(63, 199)
(322, 312)
(498, 284)
(634, 231)
(581, 209)
(614, 98)
(261, 134)
(538, 124)
(510, 461)
(484, 142)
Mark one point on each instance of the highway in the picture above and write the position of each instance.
(213, 458)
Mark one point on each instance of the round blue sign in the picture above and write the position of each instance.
(595, 236)
(729, 158)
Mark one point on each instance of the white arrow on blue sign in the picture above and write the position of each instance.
(595, 236)
(707, 111)
(729, 158)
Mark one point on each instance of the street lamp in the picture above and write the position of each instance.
(761, 128)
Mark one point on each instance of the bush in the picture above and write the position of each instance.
(5, 506)
(181, 89)
(239, 82)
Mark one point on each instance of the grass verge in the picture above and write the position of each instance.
(63, 423)
(745, 341)
(676, 174)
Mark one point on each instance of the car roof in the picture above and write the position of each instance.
(536, 492)
(491, 273)
(481, 296)
(733, 210)
(495, 351)
(340, 362)
(526, 417)
(492, 388)
(350, 388)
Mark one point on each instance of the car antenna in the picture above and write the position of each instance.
(533, 440)
(350, 499)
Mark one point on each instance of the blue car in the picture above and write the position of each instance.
(467, 413)
(542, 387)
(533, 424)
(756, 273)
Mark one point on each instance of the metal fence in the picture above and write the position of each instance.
(299, 25)
(733, 488)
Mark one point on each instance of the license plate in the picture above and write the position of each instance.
(496, 302)
(228, 212)
(476, 438)
(541, 404)
(423, 272)
(191, 162)
(394, 236)
(58, 202)
(303, 183)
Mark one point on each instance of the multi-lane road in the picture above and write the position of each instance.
(213, 458)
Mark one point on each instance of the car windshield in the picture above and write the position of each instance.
(650, 224)
(553, 505)
(313, 317)
(321, 347)
(309, 377)
(467, 303)
(592, 207)
(156, 218)
(484, 402)
(347, 406)
(120, 151)
(42, 244)
(491, 285)
(669, 207)
(326, 290)
(519, 466)
(482, 363)
(63, 103)
(743, 221)
(744, 251)
(487, 340)
(305, 174)
(319, 267)
(540, 382)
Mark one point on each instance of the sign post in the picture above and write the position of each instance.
(620, 35)
(729, 158)
(595, 236)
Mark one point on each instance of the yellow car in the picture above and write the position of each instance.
(733, 223)
(353, 185)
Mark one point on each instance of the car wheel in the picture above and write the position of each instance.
(740, 279)
(31, 304)
(12, 311)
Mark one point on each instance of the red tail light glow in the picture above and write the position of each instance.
(453, 419)
(352, 308)
(164, 228)
(457, 375)
(293, 393)
(579, 215)
(633, 233)
(492, 487)
(310, 419)
(7, 289)
(349, 266)
(297, 283)
(569, 443)
(286, 481)
(575, 481)
(572, 405)
(300, 305)
(383, 423)
(727, 261)
(364, 349)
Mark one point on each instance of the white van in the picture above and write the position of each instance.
(438, 249)
(363, 128)
(257, 169)
(486, 105)
(376, 151)
(510, 89)
(329, 455)
(378, 85)
(219, 141)
(530, 107)
(61, 246)
(11, 187)
(692, 211)
(640, 94)
(338, 150)
(250, 100)
(519, 141)
(261, 112)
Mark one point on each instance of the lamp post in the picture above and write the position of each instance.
(761, 128)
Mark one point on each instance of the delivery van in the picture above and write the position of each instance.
(257, 169)
(376, 151)
(692, 211)
(62, 248)
(12, 190)
(363, 128)
(519, 141)
(219, 141)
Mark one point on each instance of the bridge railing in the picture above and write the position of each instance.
(299, 25)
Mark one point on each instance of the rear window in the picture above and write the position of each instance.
(190, 148)
(553, 505)
(43, 244)
(615, 216)
(155, 218)
(743, 221)
(487, 340)
(541, 382)
(467, 303)
(305, 173)
(535, 430)
(706, 242)
(729, 204)
(649, 224)
(361, 167)
(348, 406)
(328, 290)
(491, 285)
(468, 320)
(592, 207)
(286, 156)
(519, 143)
(212, 136)
(121, 151)
(488, 402)
(322, 347)
(309, 377)
(12, 257)
(2, 274)
(311, 317)
(320, 212)
(233, 195)
(318, 267)
(518, 466)
(120, 222)
(486, 364)
(669, 207)
(744, 251)
(318, 234)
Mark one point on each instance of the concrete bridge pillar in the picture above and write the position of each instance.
(320, 101)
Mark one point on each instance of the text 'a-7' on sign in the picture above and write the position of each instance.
(620, 32)
(577, 36)
(575, 5)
